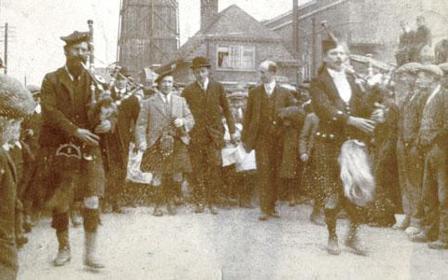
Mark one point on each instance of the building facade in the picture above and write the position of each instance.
(369, 27)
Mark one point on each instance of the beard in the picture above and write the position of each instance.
(75, 64)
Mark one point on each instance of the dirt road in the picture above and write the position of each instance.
(231, 245)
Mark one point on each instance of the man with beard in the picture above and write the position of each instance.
(343, 112)
(208, 103)
(432, 141)
(66, 135)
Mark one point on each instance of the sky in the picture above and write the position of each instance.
(35, 48)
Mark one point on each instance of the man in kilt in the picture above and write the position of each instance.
(342, 110)
(162, 134)
(72, 153)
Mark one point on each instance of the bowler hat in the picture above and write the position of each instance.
(200, 61)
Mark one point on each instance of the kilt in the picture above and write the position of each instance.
(70, 179)
(177, 162)
(326, 153)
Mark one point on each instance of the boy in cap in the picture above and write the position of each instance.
(72, 149)
(432, 140)
(15, 103)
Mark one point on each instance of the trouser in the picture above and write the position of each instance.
(410, 172)
(434, 202)
(19, 219)
(268, 157)
(355, 214)
(167, 188)
(206, 161)
(116, 179)
(245, 186)
(7, 273)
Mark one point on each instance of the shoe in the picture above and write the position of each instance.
(90, 258)
(333, 246)
(178, 201)
(27, 223)
(275, 214)
(355, 245)
(411, 230)
(63, 255)
(21, 240)
(171, 209)
(199, 209)
(157, 212)
(420, 237)
(213, 210)
(438, 245)
(403, 225)
(116, 208)
(264, 217)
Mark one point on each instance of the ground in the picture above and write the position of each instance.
(231, 245)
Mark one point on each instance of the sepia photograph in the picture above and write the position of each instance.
(224, 140)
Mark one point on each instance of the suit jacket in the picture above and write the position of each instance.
(208, 108)
(8, 186)
(63, 110)
(153, 118)
(434, 123)
(306, 138)
(333, 112)
(286, 114)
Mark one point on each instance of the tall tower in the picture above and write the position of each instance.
(148, 33)
(209, 10)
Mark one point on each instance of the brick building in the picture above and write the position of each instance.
(235, 43)
(368, 26)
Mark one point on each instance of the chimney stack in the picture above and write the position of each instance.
(209, 10)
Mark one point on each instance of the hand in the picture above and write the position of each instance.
(378, 116)
(104, 127)
(304, 157)
(87, 136)
(365, 125)
(178, 122)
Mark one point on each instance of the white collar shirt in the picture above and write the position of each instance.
(165, 98)
(342, 84)
(204, 85)
(269, 87)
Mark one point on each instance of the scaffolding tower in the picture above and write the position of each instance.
(148, 33)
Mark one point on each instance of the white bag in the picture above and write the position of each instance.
(134, 174)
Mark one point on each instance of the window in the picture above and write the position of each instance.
(236, 57)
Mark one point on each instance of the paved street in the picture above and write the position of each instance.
(232, 245)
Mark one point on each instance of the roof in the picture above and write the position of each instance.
(233, 23)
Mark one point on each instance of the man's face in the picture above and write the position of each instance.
(166, 85)
(335, 58)
(201, 74)
(77, 54)
(266, 76)
(425, 80)
(121, 83)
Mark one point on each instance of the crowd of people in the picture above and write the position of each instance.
(363, 151)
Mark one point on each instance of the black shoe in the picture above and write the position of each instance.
(274, 214)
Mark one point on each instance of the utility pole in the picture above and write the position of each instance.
(6, 48)
(314, 48)
(295, 28)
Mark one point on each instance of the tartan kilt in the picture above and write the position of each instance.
(327, 169)
(177, 162)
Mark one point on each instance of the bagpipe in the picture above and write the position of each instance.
(103, 106)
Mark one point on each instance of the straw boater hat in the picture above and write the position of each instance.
(15, 100)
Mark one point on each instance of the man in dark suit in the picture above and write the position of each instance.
(71, 148)
(208, 104)
(264, 129)
(343, 113)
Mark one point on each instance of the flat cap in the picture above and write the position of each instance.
(432, 69)
(15, 100)
(163, 75)
(75, 38)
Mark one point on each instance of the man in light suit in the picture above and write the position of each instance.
(162, 133)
